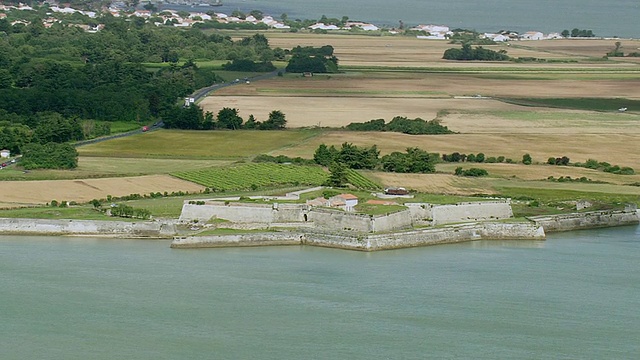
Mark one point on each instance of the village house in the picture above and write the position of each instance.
(5, 153)
(532, 35)
(438, 32)
(321, 26)
(496, 37)
(361, 25)
(349, 201)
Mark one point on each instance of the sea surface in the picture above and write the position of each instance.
(575, 296)
(606, 18)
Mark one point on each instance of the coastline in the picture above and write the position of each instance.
(534, 228)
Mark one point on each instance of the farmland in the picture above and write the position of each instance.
(253, 176)
(567, 106)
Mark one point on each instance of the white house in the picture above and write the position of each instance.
(532, 35)
(322, 26)
(350, 201)
(361, 25)
(497, 37)
(5, 153)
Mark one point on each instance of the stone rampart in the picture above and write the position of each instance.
(424, 214)
(586, 220)
(87, 227)
(240, 240)
(243, 212)
(364, 242)
(421, 214)
(474, 211)
(336, 220)
(390, 222)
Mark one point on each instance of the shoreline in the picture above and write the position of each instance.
(533, 228)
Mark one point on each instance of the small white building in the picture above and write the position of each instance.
(350, 201)
(5, 153)
(532, 35)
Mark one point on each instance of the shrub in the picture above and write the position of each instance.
(472, 172)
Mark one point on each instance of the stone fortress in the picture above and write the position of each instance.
(240, 215)
(419, 224)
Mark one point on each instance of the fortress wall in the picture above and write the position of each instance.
(243, 213)
(240, 240)
(455, 234)
(394, 221)
(86, 227)
(587, 220)
(232, 212)
(290, 213)
(476, 211)
(421, 213)
(334, 220)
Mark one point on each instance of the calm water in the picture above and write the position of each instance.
(605, 18)
(575, 296)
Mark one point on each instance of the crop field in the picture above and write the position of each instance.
(26, 193)
(103, 167)
(612, 148)
(413, 52)
(360, 181)
(184, 144)
(252, 176)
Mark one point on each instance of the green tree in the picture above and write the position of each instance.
(337, 175)
(325, 155)
(276, 121)
(526, 159)
(228, 118)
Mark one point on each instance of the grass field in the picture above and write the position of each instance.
(184, 144)
(253, 176)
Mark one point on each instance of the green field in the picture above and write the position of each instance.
(252, 176)
(186, 144)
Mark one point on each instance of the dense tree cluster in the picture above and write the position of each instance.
(414, 160)
(49, 156)
(192, 118)
(479, 53)
(472, 172)
(575, 32)
(606, 167)
(558, 161)
(61, 84)
(403, 125)
(478, 158)
(314, 60)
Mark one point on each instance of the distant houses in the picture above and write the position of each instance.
(173, 18)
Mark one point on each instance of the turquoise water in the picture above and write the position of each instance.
(575, 296)
(605, 18)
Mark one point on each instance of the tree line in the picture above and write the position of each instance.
(192, 117)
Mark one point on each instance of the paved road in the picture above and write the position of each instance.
(197, 96)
